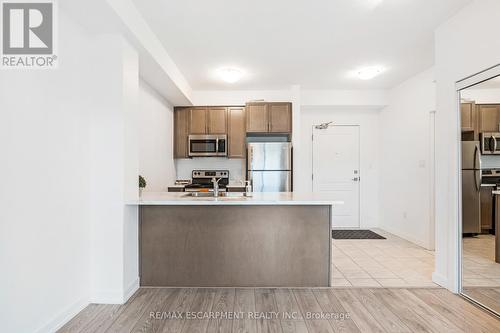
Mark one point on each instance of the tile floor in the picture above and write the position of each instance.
(391, 262)
(479, 266)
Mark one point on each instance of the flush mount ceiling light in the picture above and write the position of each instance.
(373, 3)
(368, 73)
(229, 75)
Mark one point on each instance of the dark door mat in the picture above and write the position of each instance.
(355, 234)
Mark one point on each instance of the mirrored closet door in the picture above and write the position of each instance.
(480, 195)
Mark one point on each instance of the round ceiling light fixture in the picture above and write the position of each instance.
(368, 73)
(373, 3)
(229, 75)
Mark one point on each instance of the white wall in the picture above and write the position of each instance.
(477, 25)
(45, 195)
(405, 161)
(156, 125)
(345, 98)
(70, 160)
(369, 151)
(237, 97)
(114, 172)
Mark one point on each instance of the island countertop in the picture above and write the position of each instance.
(257, 198)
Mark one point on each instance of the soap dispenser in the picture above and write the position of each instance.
(248, 188)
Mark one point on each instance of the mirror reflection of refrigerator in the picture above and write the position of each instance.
(269, 166)
(471, 187)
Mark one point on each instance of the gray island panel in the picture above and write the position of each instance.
(235, 246)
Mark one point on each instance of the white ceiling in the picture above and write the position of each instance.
(313, 43)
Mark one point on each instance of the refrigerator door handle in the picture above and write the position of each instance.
(476, 159)
(477, 168)
(477, 180)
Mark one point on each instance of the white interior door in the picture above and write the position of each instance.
(336, 170)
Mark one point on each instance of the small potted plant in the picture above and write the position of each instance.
(142, 185)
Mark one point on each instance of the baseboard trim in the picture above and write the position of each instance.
(440, 279)
(116, 297)
(107, 297)
(132, 288)
(407, 237)
(63, 317)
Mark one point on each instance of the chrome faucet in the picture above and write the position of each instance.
(215, 181)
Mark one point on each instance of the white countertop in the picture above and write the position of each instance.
(274, 198)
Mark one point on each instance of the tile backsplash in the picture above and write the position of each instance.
(236, 167)
(490, 161)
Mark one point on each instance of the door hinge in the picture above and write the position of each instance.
(312, 176)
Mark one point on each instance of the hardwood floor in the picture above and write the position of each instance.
(489, 297)
(188, 310)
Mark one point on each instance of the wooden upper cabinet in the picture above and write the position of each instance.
(198, 121)
(211, 120)
(269, 117)
(468, 116)
(236, 132)
(280, 117)
(489, 118)
(257, 118)
(181, 132)
(217, 120)
(235, 121)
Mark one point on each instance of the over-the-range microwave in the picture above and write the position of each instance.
(207, 145)
(490, 143)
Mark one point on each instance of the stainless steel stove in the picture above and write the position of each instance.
(202, 180)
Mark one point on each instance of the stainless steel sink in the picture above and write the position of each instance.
(211, 195)
(199, 194)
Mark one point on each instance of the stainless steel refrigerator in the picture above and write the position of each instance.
(471, 187)
(269, 166)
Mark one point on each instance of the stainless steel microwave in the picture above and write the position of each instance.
(490, 143)
(207, 145)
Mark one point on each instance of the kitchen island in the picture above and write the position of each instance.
(266, 240)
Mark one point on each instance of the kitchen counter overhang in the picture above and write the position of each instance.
(269, 198)
(267, 240)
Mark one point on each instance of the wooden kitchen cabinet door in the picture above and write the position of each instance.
(236, 132)
(489, 118)
(486, 200)
(280, 117)
(181, 132)
(198, 122)
(468, 116)
(257, 120)
(217, 120)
